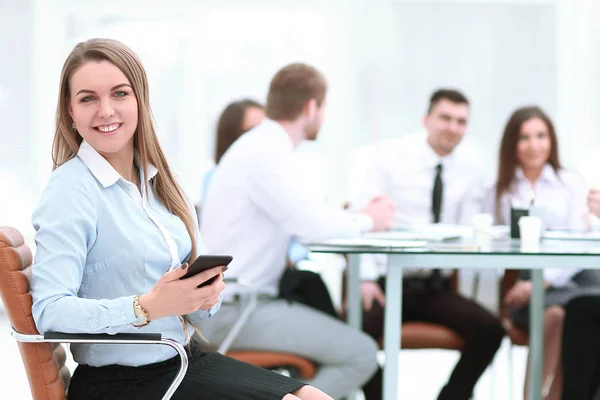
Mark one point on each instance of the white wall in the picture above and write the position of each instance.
(382, 58)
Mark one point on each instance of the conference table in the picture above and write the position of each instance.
(460, 252)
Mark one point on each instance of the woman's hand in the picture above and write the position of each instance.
(519, 294)
(593, 201)
(174, 296)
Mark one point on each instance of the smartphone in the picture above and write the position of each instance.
(202, 263)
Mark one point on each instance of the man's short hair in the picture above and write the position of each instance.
(451, 95)
(291, 88)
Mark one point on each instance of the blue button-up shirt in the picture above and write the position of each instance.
(99, 243)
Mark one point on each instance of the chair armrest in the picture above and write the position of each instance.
(239, 324)
(67, 337)
(119, 338)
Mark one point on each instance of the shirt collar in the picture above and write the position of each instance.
(548, 174)
(432, 159)
(102, 170)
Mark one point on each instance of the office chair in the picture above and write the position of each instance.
(43, 355)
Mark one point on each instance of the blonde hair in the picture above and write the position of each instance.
(67, 140)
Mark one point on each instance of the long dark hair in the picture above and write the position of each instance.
(508, 160)
(229, 127)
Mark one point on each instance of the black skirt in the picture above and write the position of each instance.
(210, 376)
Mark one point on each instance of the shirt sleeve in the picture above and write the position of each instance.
(199, 315)
(559, 277)
(65, 224)
(372, 266)
(578, 191)
(274, 189)
(474, 201)
(374, 183)
(489, 201)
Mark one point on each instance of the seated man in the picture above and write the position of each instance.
(253, 209)
(431, 180)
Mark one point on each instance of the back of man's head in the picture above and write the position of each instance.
(452, 95)
(291, 88)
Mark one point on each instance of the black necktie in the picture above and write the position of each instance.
(436, 198)
(437, 282)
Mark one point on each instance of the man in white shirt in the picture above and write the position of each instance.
(431, 179)
(253, 209)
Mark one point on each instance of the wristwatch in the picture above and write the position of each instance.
(140, 314)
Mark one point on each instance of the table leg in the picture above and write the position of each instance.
(354, 300)
(393, 330)
(353, 292)
(536, 335)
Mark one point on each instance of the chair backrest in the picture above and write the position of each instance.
(44, 362)
(511, 276)
(517, 335)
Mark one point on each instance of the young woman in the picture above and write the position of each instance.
(114, 235)
(529, 172)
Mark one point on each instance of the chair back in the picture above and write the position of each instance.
(511, 276)
(44, 362)
(426, 335)
(517, 335)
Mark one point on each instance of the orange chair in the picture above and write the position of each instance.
(275, 361)
(425, 335)
(517, 335)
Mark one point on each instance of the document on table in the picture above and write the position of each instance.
(370, 242)
(557, 234)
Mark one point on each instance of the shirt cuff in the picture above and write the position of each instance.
(200, 315)
(121, 314)
(216, 307)
(368, 268)
(365, 223)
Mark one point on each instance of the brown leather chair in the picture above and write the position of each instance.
(45, 359)
(425, 335)
(273, 360)
(43, 355)
(517, 335)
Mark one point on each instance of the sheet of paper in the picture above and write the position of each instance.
(571, 235)
(370, 242)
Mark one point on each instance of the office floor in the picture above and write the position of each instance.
(423, 372)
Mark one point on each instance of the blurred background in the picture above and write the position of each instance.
(382, 60)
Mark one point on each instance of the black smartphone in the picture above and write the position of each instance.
(202, 263)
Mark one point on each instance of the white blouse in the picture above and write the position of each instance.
(559, 198)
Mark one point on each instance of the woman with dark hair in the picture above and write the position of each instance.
(530, 174)
(235, 120)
